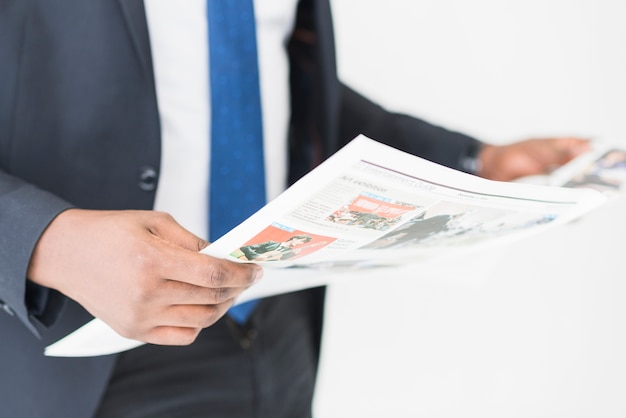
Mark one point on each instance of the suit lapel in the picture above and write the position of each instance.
(135, 17)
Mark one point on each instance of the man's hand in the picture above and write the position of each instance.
(529, 157)
(138, 271)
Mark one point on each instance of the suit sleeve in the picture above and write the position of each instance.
(359, 115)
(25, 213)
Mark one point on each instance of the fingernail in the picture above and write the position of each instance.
(258, 274)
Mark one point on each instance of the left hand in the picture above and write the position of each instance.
(529, 157)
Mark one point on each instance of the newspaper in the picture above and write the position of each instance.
(370, 206)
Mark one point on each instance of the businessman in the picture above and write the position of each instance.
(104, 115)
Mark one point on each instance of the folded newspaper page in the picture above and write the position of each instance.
(369, 206)
(602, 169)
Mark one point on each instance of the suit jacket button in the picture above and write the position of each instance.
(147, 179)
(6, 308)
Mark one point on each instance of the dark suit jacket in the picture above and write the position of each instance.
(79, 127)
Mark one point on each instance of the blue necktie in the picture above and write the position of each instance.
(237, 187)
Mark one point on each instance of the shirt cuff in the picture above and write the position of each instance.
(43, 304)
(470, 162)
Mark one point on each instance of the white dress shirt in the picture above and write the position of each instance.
(178, 39)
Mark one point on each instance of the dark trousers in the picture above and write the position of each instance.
(264, 369)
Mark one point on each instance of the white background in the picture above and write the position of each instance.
(536, 329)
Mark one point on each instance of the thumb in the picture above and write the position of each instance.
(164, 226)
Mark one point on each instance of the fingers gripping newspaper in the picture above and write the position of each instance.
(369, 206)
